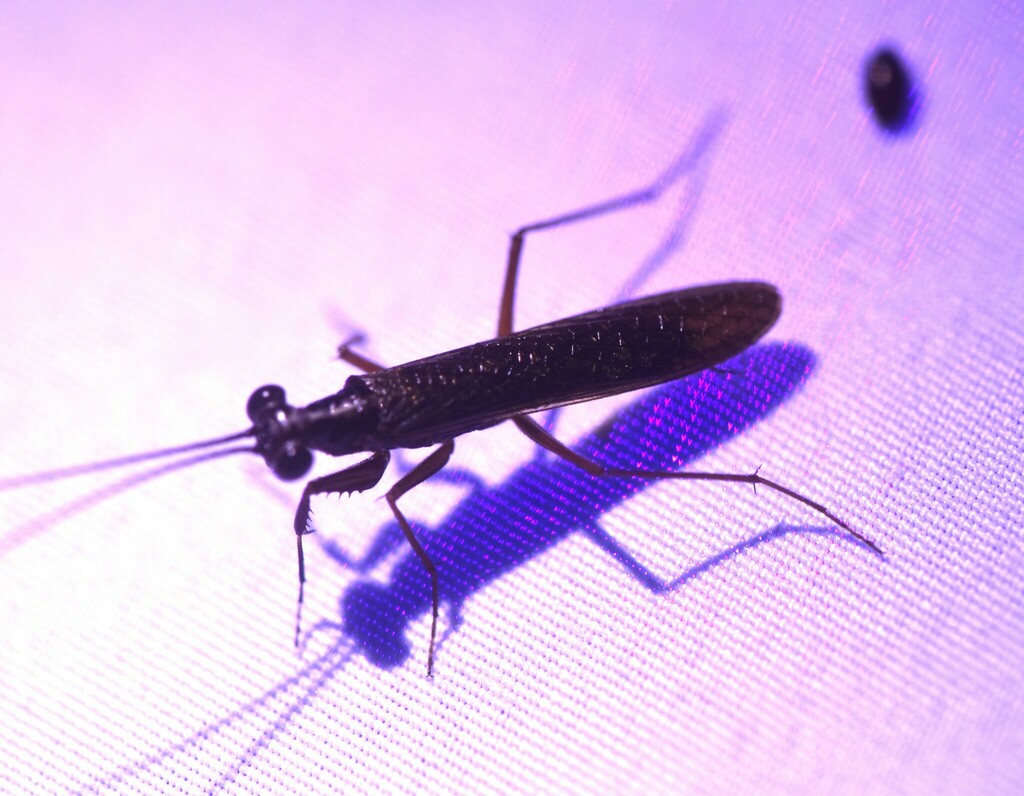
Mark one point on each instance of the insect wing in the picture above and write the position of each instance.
(597, 354)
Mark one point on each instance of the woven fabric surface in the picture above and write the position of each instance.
(198, 202)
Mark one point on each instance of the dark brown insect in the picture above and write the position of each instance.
(431, 401)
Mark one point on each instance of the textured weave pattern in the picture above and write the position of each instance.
(197, 202)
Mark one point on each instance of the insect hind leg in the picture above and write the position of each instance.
(532, 429)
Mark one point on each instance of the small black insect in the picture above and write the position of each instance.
(431, 401)
(890, 90)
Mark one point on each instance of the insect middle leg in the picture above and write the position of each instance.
(433, 464)
(420, 473)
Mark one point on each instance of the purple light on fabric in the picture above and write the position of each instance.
(196, 201)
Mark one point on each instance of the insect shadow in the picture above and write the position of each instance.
(493, 530)
(496, 529)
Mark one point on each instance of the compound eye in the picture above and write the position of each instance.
(292, 461)
(264, 401)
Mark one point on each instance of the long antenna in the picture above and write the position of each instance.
(59, 474)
